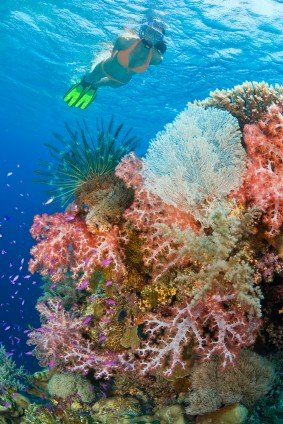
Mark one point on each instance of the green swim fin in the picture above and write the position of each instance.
(80, 95)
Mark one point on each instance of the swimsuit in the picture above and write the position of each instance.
(123, 59)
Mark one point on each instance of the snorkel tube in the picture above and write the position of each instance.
(152, 34)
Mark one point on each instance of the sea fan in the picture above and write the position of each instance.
(83, 157)
(196, 158)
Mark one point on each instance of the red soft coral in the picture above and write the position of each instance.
(60, 342)
(65, 245)
(146, 212)
(263, 181)
(215, 325)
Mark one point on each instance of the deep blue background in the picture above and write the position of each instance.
(47, 45)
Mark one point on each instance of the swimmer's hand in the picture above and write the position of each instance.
(81, 95)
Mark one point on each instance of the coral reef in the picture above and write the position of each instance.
(220, 255)
(103, 200)
(163, 271)
(269, 408)
(107, 411)
(209, 325)
(148, 210)
(248, 102)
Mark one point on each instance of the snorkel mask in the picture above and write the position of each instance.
(152, 32)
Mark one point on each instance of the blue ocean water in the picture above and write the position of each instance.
(46, 46)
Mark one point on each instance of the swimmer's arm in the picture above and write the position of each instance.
(156, 58)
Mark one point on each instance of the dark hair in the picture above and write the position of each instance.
(160, 46)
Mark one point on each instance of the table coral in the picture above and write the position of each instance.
(248, 102)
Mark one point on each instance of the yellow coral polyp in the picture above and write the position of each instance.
(114, 336)
(155, 295)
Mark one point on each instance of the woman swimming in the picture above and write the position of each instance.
(130, 55)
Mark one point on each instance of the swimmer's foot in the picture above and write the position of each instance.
(81, 95)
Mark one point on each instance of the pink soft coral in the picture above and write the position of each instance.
(214, 324)
(65, 245)
(263, 180)
(60, 342)
(146, 212)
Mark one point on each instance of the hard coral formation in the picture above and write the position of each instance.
(234, 414)
(123, 409)
(11, 377)
(263, 180)
(248, 102)
(65, 385)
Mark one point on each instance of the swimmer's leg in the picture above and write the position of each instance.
(96, 75)
(107, 82)
(84, 101)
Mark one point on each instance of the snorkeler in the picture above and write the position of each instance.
(130, 55)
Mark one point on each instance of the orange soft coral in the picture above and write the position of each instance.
(263, 181)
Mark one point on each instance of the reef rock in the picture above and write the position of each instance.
(117, 409)
(171, 414)
(233, 414)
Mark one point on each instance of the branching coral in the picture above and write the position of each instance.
(263, 180)
(197, 157)
(66, 246)
(60, 341)
(248, 102)
(11, 377)
(212, 386)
